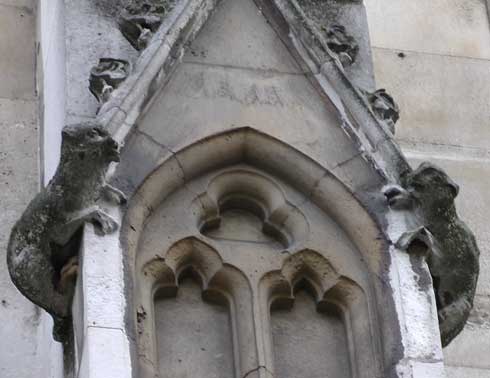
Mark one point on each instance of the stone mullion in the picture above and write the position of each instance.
(246, 328)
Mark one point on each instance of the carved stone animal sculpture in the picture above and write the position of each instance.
(43, 243)
(453, 260)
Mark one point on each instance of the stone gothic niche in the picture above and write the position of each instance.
(239, 274)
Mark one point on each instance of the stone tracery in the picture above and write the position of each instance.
(241, 272)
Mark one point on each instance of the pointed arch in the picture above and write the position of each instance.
(249, 146)
(246, 162)
(334, 295)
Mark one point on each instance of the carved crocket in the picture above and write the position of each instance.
(454, 254)
(43, 243)
(141, 19)
(342, 44)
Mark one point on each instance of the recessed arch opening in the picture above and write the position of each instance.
(250, 190)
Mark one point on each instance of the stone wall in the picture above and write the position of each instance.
(434, 57)
(19, 178)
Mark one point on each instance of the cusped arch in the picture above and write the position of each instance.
(332, 293)
(219, 281)
(255, 193)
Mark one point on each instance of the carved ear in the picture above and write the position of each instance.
(67, 133)
(454, 187)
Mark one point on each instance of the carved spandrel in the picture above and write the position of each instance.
(107, 76)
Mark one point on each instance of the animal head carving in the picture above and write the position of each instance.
(429, 184)
(89, 143)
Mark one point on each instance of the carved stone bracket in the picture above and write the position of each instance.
(141, 19)
(384, 107)
(453, 253)
(107, 76)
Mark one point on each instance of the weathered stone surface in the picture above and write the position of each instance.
(90, 35)
(466, 372)
(469, 349)
(140, 19)
(98, 344)
(106, 76)
(472, 203)
(238, 27)
(19, 3)
(341, 43)
(17, 64)
(51, 83)
(453, 252)
(455, 27)
(44, 241)
(384, 107)
(19, 183)
(350, 15)
(202, 100)
(443, 99)
(240, 256)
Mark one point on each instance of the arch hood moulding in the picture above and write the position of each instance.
(258, 166)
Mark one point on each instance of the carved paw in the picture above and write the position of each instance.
(114, 194)
(105, 223)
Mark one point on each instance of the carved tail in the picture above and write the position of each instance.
(31, 271)
(452, 319)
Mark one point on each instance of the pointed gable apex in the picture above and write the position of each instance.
(308, 42)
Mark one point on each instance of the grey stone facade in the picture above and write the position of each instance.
(253, 125)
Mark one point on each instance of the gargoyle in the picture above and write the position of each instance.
(43, 245)
(141, 19)
(454, 254)
(342, 44)
(384, 107)
(107, 76)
